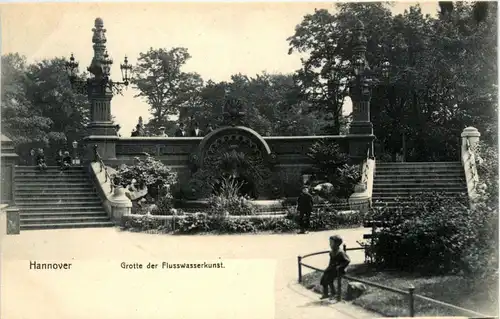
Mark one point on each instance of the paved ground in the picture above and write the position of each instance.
(258, 281)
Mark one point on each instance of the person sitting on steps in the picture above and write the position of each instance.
(66, 161)
(59, 158)
(40, 160)
(336, 267)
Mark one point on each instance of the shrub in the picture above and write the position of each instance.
(441, 235)
(329, 159)
(326, 217)
(164, 205)
(277, 225)
(228, 202)
(145, 223)
(233, 225)
(487, 167)
(149, 173)
(193, 223)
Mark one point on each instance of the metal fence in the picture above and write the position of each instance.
(410, 293)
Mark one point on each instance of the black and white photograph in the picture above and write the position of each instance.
(221, 160)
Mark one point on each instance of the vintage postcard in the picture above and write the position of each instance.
(224, 160)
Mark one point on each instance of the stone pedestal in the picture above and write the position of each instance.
(360, 200)
(120, 204)
(13, 221)
(472, 134)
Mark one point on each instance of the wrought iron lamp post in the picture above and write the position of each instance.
(76, 160)
(100, 90)
(360, 88)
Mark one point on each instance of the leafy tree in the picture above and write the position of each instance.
(273, 104)
(332, 165)
(39, 107)
(161, 82)
(443, 73)
(325, 37)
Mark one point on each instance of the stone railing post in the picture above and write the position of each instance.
(121, 205)
(472, 135)
(361, 199)
(470, 140)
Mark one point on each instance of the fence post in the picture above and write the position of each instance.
(411, 300)
(339, 286)
(299, 264)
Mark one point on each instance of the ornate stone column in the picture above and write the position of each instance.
(100, 90)
(101, 128)
(361, 129)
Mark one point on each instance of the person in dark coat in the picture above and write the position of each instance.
(40, 160)
(304, 207)
(180, 132)
(196, 131)
(66, 161)
(336, 267)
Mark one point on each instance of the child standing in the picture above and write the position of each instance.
(338, 263)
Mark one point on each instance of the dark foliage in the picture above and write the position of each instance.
(442, 235)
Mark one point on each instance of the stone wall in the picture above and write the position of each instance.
(177, 152)
(8, 161)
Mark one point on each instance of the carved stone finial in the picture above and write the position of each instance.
(358, 40)
(99, 40)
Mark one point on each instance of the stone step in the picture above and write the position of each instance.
(48, 173)
(53, 178)
(23, 195)
(419, 163)
(426, 170)
(457, 202)
(44, 210)
(60, 203)
(63, 220)
(54, 190)
(396, 208)
(88, 224)
(62, 214)
(417, 189)
(419, 175)
(385, 185)
(49, 170)
(56, 199)
(418, 179)
(53, 185)
(406, 193)
(391, 198)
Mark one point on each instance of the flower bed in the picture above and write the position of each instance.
(193, 223)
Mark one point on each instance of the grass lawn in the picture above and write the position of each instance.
(455, 290)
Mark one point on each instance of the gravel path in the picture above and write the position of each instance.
(259, 278)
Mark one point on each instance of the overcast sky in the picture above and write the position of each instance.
(223, 38)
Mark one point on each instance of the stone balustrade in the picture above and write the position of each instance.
(361, 199)
(115, 202)
(289, 154)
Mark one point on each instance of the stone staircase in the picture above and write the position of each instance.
(55, 199)
(395, 183)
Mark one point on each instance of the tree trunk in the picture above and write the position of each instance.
(336, 122)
